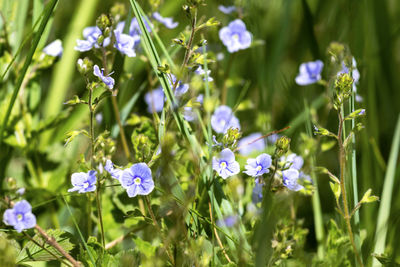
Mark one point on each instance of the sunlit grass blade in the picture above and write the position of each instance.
(386, 196)
(65, 68)
(49, 10)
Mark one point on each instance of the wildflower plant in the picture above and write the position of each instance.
(170, 156)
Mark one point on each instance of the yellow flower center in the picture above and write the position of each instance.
(86, 185)
(19, 217)
(235, 36)
(137, 181)
(223, 165)
(259, 168)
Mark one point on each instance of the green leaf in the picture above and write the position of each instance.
(75, 100)
(72, 134)
(335, 189)
(33, 252)
(145, 247)
(367, 198)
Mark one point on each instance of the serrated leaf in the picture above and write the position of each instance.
(33, 252)
(357, 113)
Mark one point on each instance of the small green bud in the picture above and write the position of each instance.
(100, 40)
(282, 146)
(11, 183)
(103, 21)
(231, 137)
(164, 68)
(84, 65)
(106, 31)
(343, 87)
(337, 51)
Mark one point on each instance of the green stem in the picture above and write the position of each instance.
(98, 184)
(189, 46)
(342, 162)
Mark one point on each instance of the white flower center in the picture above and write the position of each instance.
(19, 217)
(235, 37)
(86, 185)
(223, 165)
(259, 168)
(137, 181)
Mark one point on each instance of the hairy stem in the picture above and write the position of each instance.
(342, 162)
(190, 43)
(52, 242)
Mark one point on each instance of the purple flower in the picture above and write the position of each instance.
(107, 80)
(91, 34)
(115, 173)
(228, 221)
(168, 22)
(273, 138)
(200, 98)
(226, 9)
(155, 100)
(54, 49)
(246, 149)
(235, 36)
(181, 88)
(21, 191)
(126, 43)
(189, 114)
(258, 166)
(83, 182)
(256, 195)
(200, 71)
(292, 161)
(310, 72)
(226, 165)
(20, 216)
(137, 180)
(223, 119)
(362, 112)
(290, 178)
(134, 28)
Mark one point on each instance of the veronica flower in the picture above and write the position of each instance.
(256, 195)
(258, 166)
(21, 191)
(235, 36)
(54, 49)
(155, 100)
(292, 161)
(226, 165)
(290, 179)
(310, 72)
(115, 173)
(137, 180)
(246, 149)
(228, 221)
(91, 34)
(126, 43)
(181, 88)
(134, 28)
(107, 80)
(168, 22)
(273, 138)
(223, 119)
(20, 216)
(83, 182)
(200, 71)
(226, 9)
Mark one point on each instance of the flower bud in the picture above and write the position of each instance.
(84, 65)
(282, 146)
(118, 11)
(103, 21)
